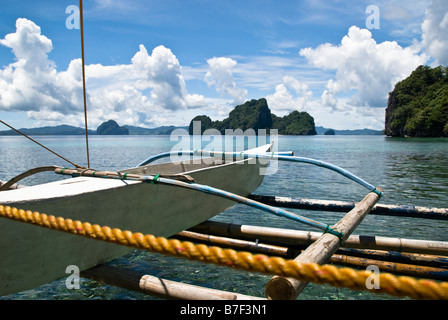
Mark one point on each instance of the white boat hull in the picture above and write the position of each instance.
(33, 255)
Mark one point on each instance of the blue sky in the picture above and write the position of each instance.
(153, 63)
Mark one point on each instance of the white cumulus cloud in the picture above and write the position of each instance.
(138, 93)
(161, 71)
(363, 67)
(32, 81)
(220, 75)
(289, 95)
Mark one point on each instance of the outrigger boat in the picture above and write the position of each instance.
(32, 256)
(141, 199)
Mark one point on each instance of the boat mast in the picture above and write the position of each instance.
(84, 81)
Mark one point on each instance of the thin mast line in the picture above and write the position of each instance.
(84, 81)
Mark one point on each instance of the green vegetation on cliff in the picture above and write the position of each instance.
(295, 123)
(418, 106)
(255, 114)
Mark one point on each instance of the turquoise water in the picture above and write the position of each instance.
(411, 171)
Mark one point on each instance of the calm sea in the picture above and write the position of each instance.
(411, 171)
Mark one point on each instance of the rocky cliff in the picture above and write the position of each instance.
(255, 114)
(111, 128)
(418, 105)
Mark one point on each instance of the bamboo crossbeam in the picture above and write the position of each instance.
(321, 250)
(116, 175)
(298, 237)
(417, 265)
(345, 206)
(154, 286)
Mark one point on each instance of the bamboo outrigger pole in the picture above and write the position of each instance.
(345, 206)
(281, 288)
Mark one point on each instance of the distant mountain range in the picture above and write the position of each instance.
(57, 130)
(164, 130)
(70, 130)
(357, 132)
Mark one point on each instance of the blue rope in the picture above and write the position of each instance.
(243, 200)
(273, 156)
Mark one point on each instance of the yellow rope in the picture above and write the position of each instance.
(309, 272)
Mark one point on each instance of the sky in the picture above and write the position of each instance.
(154, 63)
